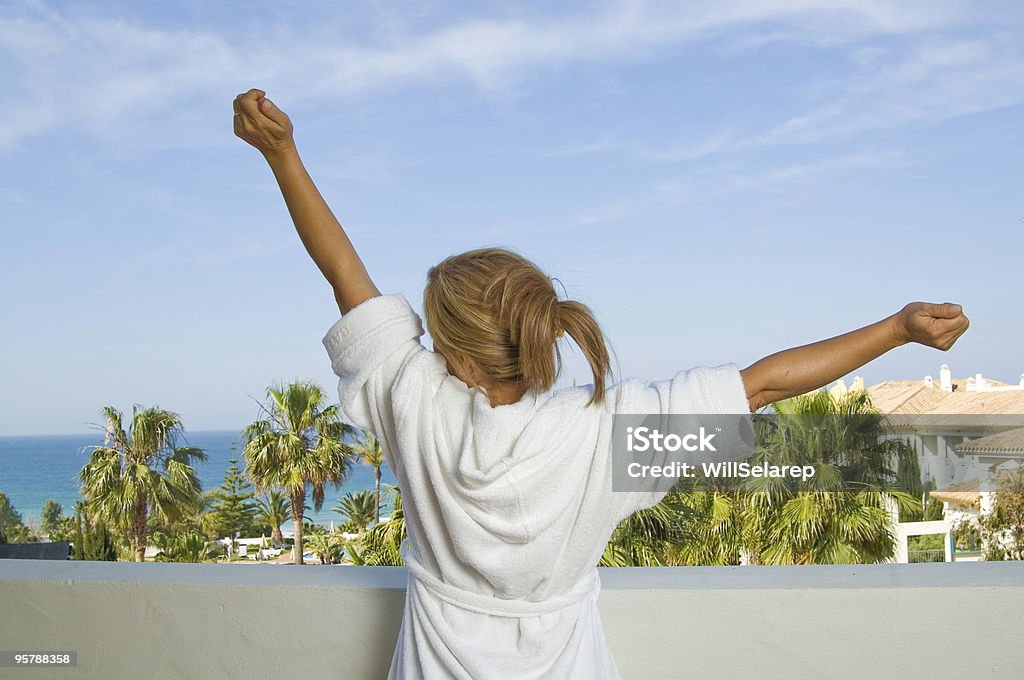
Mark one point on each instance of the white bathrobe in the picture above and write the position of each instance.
(508, 508)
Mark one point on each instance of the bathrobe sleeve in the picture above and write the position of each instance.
(374, 348)
(704, 390)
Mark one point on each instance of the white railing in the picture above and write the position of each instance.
(164, 620)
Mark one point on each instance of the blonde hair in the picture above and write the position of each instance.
(499, 309)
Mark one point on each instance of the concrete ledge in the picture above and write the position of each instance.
(925, 575)
(169, 620)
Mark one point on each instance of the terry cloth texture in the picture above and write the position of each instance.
(508, 508)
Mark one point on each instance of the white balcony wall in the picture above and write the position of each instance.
(174, 621)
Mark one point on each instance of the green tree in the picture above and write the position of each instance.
(234, 510)
(197, 518)
(645, 538)
(167, 536)
(933, 511)
(65, 529)
(381, 545)
(328, 548)
(369, 451)
(1002, 527)
(273, 510)
(926, 542)
(92, 539)
(841, 515)
(190, 547)
(358, 509)
(203, 520)
(52, 515)
(141, 471)
(967, 535)
(714, 529)
(299, 443)
(21, 533)
(11, 525)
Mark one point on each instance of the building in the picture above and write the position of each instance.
(963, 429)
(941, 418)
(975, 495)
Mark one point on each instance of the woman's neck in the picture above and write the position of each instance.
(503, 394)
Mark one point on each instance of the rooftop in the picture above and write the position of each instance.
(965, 494)
(1010, 441)
(912, 397)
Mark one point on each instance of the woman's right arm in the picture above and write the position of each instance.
(260, 123)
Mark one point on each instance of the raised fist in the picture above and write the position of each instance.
(934, 325)
(260, 123)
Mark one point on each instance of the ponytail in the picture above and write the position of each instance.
(576, 319)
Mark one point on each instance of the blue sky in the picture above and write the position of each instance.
(717, 180)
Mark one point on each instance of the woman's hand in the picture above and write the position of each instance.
(929, 324)
(260, 123)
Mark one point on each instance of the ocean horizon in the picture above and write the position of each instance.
(34, 468)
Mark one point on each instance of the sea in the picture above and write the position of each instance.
(35, 468)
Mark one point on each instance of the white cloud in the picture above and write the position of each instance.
(931, 82)
(98, 74)
(926, 82)
(123, 79)
(707, 183)
(581, 149)
(701, 186)
(713, 145)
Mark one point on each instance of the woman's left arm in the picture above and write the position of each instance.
(803, 369)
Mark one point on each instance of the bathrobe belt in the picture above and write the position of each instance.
(588, 586)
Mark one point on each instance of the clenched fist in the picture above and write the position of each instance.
(931, 324)
(260, 123)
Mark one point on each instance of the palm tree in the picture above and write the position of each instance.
(327, 547)
(139, 472)
(368, 449)
(644, 538)
(298, 443)
(189, 546)
(841, 515)
(358, 509)
(381, 545)
(273, 511)
(205, 520)
(713, 531)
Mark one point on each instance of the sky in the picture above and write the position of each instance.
(717, 180)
